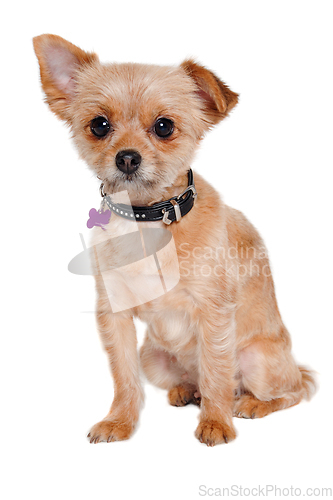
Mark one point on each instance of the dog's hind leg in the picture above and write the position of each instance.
(271, 378)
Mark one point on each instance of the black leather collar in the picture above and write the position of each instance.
(169, 211)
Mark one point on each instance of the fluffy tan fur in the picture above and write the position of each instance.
(217, 338)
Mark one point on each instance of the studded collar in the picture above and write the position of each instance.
(168, 211)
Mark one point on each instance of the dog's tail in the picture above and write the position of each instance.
(309, 382)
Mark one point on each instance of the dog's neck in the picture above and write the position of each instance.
(177, 187)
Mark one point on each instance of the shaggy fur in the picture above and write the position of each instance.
(217, 338)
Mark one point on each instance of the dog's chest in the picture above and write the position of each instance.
(141, 272)
(138, 262)
(171, 321)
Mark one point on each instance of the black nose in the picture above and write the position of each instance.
(128, 161)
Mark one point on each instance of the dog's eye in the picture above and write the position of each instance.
(99, 126)
(163, 127)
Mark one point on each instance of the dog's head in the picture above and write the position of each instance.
(137, 126)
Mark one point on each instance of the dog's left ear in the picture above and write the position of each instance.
(216, 97)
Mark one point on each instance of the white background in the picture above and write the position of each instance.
(272, 159)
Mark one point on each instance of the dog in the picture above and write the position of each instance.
(216, 338)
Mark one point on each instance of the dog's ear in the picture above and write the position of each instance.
(216, 97)
(59, 62)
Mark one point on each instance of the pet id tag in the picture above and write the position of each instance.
(99, 217)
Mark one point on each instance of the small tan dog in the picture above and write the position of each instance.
(217, 338)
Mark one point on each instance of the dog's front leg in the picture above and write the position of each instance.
(216, 375)
(119, 338)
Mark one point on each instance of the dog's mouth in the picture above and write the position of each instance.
(135, 178)
(126, 178)
(135, 183)
(132, 177)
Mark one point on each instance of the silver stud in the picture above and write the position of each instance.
(137, 216)
(121, 212)
(117, 210)
(126, 214)
(143, 216)
(132, 215)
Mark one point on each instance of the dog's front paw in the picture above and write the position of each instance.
(212, 432)
(110, 430)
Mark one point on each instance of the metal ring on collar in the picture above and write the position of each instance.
(176, 209)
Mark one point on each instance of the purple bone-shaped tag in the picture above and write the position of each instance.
(98, 218)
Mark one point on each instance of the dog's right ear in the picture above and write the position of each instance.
(59, 63)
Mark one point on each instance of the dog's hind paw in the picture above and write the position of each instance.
(182, 395)
(250, 407)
